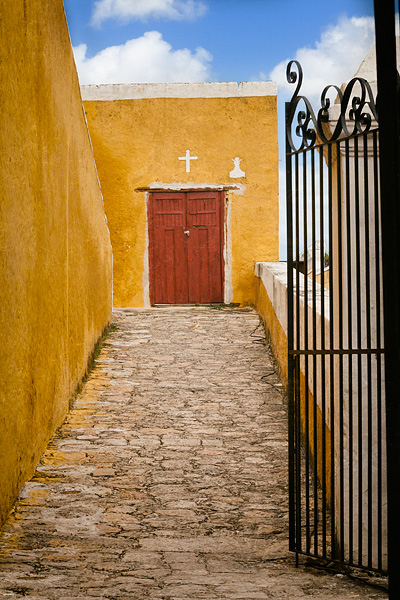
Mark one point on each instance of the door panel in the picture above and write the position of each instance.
(202, 210)
(186, 249)
(205, 247)
(168, 253)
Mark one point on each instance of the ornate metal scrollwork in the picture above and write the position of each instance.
(357, 108)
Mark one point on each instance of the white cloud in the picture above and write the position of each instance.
(130, 10)
(334, 60)
(147, 59)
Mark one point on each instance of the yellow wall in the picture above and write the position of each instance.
(138, 141)
(276, 335)
(55, 254)
(277, 338)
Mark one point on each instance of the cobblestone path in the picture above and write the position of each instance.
(168, 478)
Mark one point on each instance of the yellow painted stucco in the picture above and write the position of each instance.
(55, 252)
(137, 142)
(276, 335)
(277, 339)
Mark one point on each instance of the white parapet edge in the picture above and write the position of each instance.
(274, 279)
(137, 91)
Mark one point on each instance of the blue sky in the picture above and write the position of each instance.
(246, 38)
(121, 41)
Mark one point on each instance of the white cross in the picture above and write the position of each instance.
(188, 158)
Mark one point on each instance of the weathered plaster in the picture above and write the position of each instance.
(274, 279)
(146, 267)
(159, 186)
(228, 291)
(56, 266)
(137, 144)
(140, 91)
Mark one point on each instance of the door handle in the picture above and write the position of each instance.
(187, 233)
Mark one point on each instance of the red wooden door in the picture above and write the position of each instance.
(168, 254)
(186, 247)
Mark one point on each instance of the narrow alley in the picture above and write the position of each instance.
(168, 479)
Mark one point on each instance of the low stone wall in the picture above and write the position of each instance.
(56, 260)
(271, 305)
(319, 397)
(272, 294)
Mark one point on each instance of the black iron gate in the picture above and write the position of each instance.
(386, 14)
(337, 427)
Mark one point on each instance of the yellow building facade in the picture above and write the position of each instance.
(55, 250)
(186, 145)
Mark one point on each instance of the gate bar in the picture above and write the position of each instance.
(390, 205)
(289, 258)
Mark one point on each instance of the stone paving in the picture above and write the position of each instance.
(168, 478)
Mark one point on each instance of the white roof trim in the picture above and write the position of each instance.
(136, 91)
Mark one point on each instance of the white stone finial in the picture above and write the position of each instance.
(237, 171)
(187, 158)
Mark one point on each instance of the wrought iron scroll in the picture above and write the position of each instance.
(357, 111)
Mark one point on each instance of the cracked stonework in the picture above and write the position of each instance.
(168, 478)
